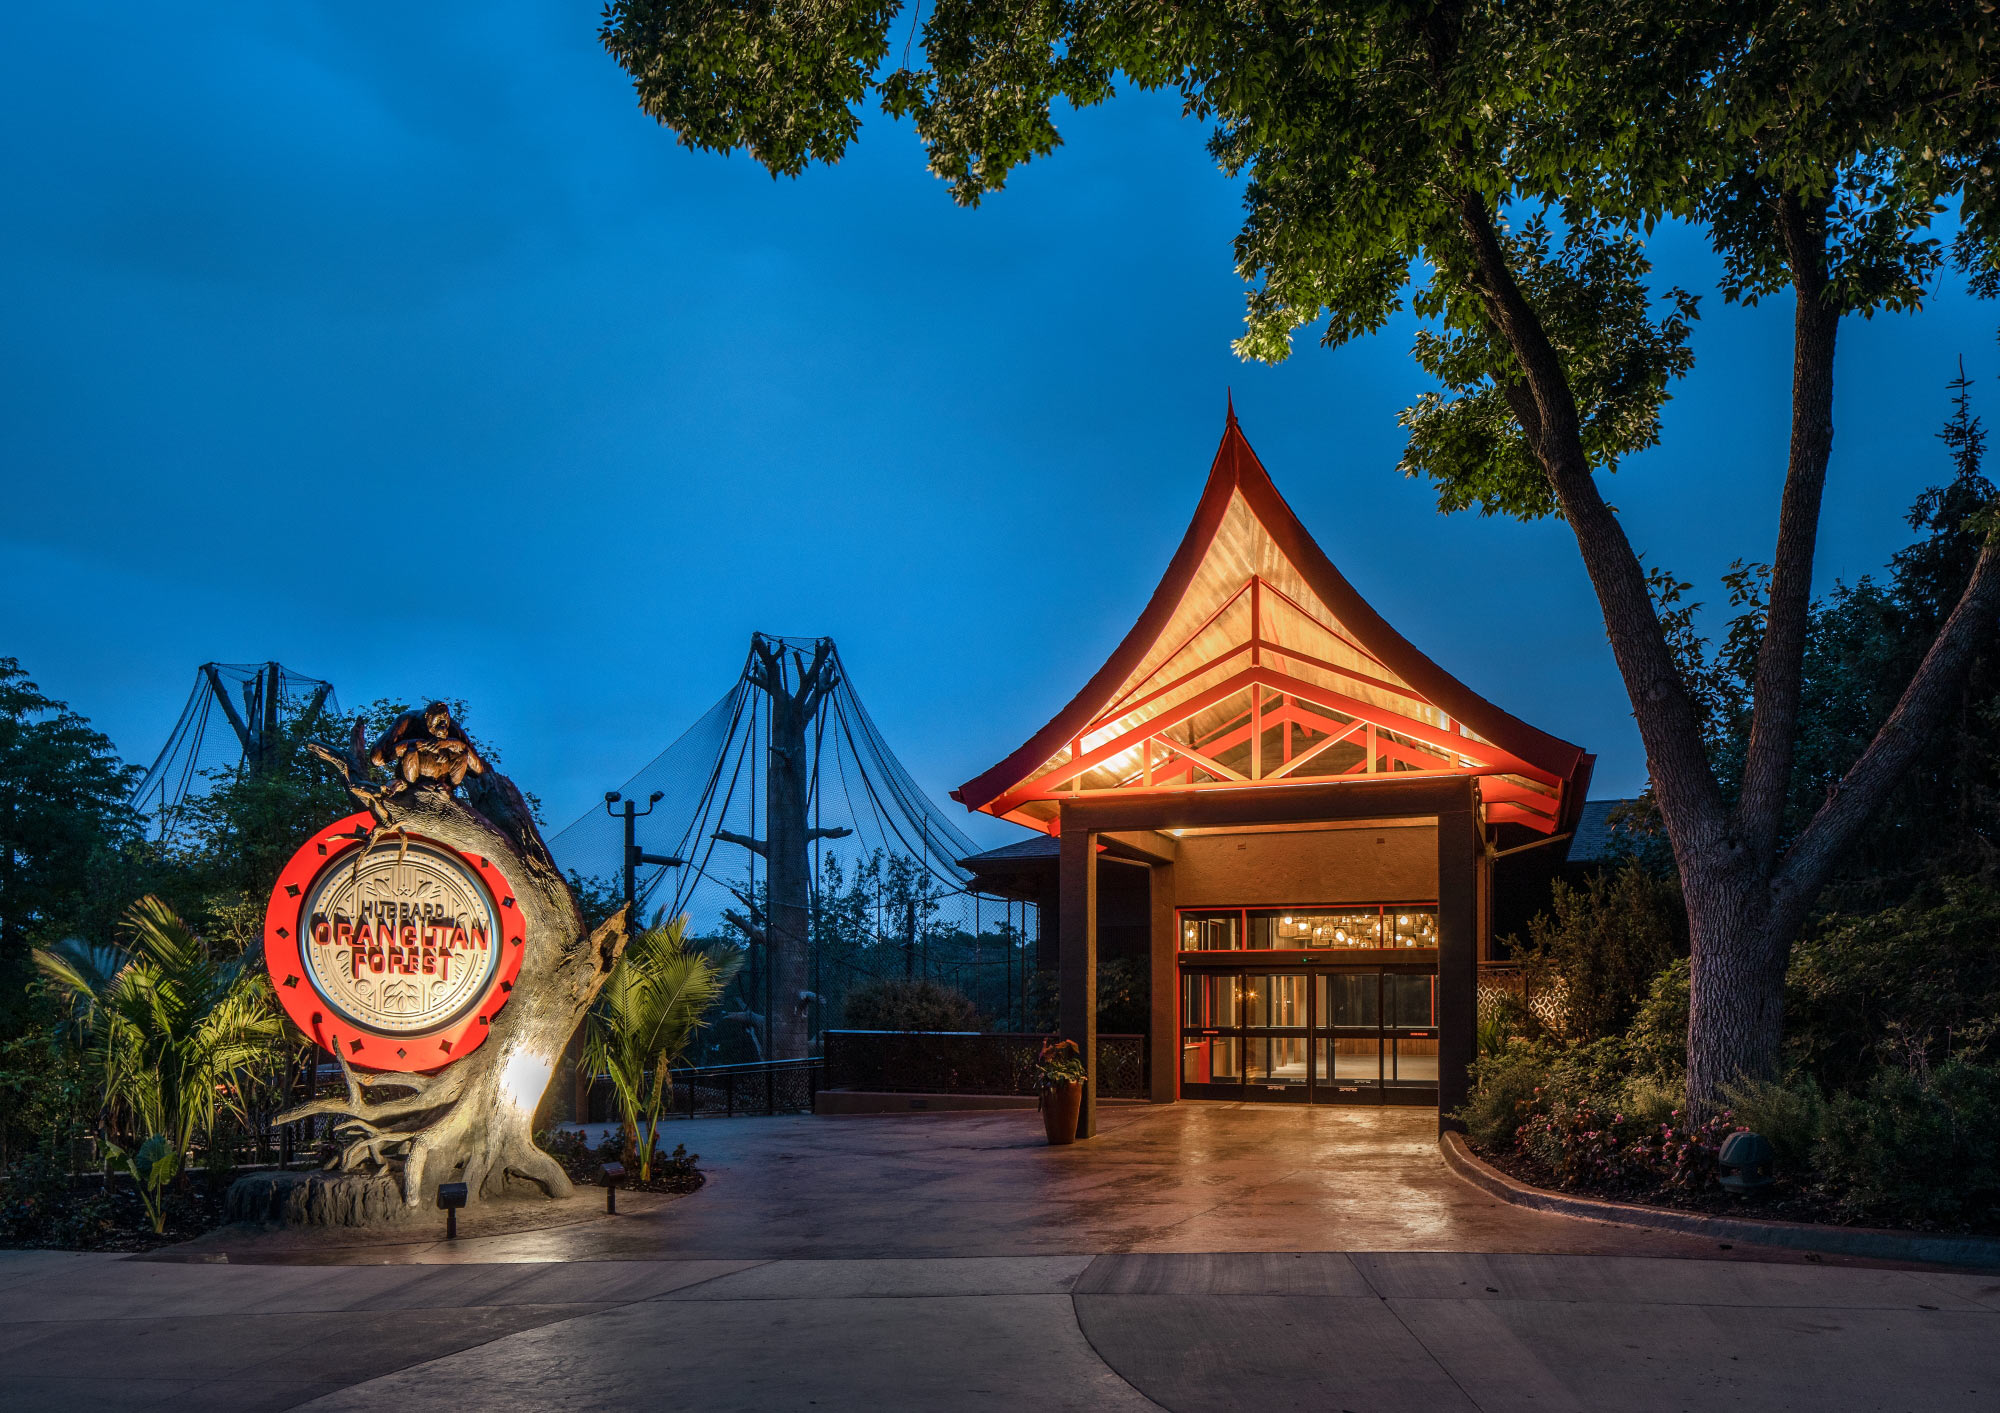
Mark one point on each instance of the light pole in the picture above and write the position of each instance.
(634, 855)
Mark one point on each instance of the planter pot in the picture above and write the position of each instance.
(1061, 1105)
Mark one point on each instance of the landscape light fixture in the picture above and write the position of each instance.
(634, 855)
(451, 1197)
(614, 1173)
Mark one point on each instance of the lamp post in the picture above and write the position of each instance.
(634, 855)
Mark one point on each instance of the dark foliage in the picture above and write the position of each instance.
(898, 1004)
(1601, 944)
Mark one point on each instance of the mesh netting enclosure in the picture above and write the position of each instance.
(235, 710)
(886, 899)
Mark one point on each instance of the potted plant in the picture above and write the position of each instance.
(1060, 1076)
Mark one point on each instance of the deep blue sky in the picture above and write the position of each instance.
(394, 343)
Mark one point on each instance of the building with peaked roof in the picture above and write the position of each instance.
(1315, 805)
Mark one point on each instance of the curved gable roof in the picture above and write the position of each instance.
(1242, 528)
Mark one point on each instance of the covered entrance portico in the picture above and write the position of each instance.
(1315, 805)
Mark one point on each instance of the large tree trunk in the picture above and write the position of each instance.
(472, 1121)
(1736, 993)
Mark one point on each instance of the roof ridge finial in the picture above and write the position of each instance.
(1229, 393)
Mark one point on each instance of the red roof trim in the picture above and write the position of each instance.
(1236, 467)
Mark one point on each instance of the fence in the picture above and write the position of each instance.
(1503, 987)
(969, 1062)
(758, 1087)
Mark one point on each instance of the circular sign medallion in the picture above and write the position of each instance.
(394, 954)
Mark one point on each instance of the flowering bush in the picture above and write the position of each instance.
(1060, 1063)
(1584, 1147)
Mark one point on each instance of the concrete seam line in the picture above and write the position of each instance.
(1083, 1334)
(697, 1285)
(1869, 1242)
(1429, 1353)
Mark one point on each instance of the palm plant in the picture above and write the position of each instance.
(651, 1007)
(171, 1030)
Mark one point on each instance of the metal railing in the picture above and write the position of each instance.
(756, 1087)
(969, 1062)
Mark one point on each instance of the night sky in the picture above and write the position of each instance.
(393, 342)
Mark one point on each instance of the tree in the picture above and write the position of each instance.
(652, 1004)
(474, 1118)
(173, 1033)
(1518, 154)
(63, 819)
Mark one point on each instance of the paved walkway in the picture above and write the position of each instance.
(1193, 1258)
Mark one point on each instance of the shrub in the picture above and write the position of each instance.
(1602, 944)
(1791, 1115)
(1917, 1145)
(1915, 984)
(1505, 1087)
(910, 1005)
(1658, 1035)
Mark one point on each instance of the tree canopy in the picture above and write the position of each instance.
(1499, 167)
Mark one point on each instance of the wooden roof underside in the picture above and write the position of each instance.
(1256, 665)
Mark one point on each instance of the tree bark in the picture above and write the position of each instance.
(1744, 902)
(1767, 765)
(472, 1121)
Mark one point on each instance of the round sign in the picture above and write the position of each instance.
(394, 953)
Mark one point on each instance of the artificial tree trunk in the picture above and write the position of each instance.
(788, 873)
(472, 1121)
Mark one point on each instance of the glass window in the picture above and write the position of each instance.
(1410, 1000)
(1212, 1060)
(1348, 999)
(1413, 1061)
(1348, 1060)
(1211, 1000)
(1278, 1001)
(1276, 1059)
(1211, 932)
(1281, 930)
(1411, 927)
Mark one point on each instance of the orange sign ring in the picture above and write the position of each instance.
(394, 953)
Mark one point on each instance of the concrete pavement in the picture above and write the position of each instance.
(1192, 1259)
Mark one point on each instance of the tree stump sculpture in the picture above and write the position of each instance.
(471, 1121)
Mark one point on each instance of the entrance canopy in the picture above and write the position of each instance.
(1256, 666)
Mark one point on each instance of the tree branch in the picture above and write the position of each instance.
(1669, 725)
(1767, 765)
(828, 833)
(1931, 695)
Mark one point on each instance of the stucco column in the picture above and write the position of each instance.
(1165, 1040)
(1078, 940)
(1458, 953)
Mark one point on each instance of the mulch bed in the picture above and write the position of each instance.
(672, 1172)
(1784, 1201)
(43, 1213)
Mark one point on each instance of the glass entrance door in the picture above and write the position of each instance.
(1325, 1035)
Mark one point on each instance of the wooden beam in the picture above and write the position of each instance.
(1147, 844)
(1294, 762)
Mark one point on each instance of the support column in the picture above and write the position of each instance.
(1458, 954)
(1078, 941)
(1165, 1040)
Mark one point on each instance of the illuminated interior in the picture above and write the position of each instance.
(1371, 927)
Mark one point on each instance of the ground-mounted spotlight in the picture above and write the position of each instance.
(614, 1173)
(451, 1197)
(1745, 1163)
